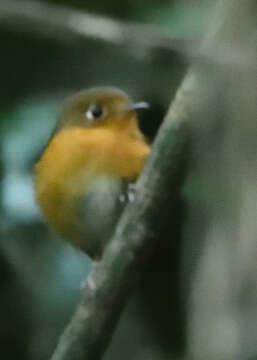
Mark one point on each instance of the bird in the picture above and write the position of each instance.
(86, 172)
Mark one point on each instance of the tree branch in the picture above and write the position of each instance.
(113, 278)
(74, 27)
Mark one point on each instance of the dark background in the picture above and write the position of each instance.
(198, 298)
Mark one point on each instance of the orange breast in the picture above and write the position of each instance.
(73, 159)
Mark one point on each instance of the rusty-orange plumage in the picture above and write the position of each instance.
(82, 175)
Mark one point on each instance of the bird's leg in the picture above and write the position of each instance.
(131, 190)
(128, 195)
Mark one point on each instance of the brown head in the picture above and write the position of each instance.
(97, 106)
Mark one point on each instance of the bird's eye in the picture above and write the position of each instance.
(94, 112)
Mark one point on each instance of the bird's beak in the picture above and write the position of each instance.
(138, 105)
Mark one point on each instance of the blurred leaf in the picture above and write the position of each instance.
(182, 19)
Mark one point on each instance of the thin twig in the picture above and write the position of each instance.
(74, 27)
(71, 26)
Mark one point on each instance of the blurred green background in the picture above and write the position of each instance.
(188, 303)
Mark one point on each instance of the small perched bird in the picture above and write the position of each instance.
(82, 178)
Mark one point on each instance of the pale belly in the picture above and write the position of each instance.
(98, 212)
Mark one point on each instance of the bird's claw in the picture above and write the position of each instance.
(129, 195)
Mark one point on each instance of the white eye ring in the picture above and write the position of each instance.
(95, 111)
(89, 115)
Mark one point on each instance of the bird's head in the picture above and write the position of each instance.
(98, 107)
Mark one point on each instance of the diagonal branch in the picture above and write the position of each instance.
(73, 26)
(70, 26)
(114, 277)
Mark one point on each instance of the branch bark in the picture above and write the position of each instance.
(114, 277)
